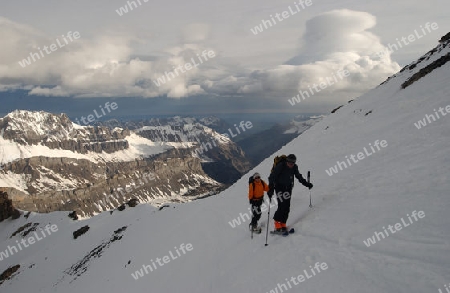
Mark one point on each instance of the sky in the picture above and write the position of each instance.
(210, 54)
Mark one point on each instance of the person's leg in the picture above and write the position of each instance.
(279, 216)
(254, 215)
(257, 216)
(284, 207)
(276, 215)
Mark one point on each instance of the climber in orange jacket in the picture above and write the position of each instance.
(255, 195)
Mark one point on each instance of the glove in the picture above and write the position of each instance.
(270, 194)
(250, 201)
(310, 185)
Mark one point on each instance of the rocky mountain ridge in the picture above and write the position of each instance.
(222, 159)
(49, 163)
(58, 132)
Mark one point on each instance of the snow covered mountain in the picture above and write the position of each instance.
(49, 163)
(378, 224)
(221, 158)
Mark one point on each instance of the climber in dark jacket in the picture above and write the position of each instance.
(281, 180)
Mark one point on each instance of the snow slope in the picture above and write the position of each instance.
(410, 174)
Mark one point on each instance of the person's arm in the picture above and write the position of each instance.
(265, 185)
(300, 177)
(250, 192)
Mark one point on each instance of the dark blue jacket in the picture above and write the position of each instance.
(282, 177)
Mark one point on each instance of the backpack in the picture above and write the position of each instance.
(277, 160)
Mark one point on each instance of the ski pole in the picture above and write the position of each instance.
(251, 226)
(310, 202)
(268, 219)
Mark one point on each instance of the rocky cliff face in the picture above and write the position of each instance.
(6, 207)
(222, 159)
(168, 177)
(58, 132)
(49, 163)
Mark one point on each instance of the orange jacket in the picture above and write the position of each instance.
(260, 187)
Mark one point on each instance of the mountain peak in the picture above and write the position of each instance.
(37, 117)
(426, 64)
(32, 126)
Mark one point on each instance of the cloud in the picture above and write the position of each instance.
(107, 66)
(195, 32)
(96, 67)
(337, 31)
(333, 41)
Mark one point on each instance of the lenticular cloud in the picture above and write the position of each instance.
(344, 31)
(333, 41)
(340, 39)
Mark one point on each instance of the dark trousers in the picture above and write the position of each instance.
(284, 204)
(256, 211)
